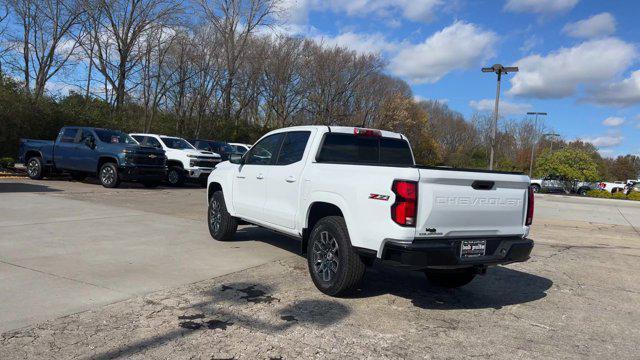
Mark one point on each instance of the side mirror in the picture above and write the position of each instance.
(235, 158)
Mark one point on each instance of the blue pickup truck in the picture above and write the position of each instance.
(81, 151)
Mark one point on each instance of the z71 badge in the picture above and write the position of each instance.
(379, 197)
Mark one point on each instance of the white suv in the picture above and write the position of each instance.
(183, 160)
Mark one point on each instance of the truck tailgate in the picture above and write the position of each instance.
(456, 203)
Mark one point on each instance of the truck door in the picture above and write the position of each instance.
(64, 148)
(87, 159)
(284, 182)
(249, 185)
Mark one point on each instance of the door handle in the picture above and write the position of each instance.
(259, 176)
(290, 179)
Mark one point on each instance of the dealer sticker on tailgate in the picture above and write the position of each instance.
(472, 248)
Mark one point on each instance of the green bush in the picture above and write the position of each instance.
(7, 163)
(599, 194)
(635, 195)
(619, 195)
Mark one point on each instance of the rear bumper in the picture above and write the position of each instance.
(445, 253)
(140, 173)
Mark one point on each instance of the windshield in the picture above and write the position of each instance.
(240, 149)
(176, 143)
(226, 148)
(114, 137)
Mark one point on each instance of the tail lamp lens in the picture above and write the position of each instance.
(404, 209)
(529, 220)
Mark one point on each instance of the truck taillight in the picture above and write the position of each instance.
(404, 209)
(529, 220)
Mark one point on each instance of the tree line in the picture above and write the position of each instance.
(216, 69)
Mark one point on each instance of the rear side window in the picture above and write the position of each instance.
(293, 147)
(351, 149)
(69, 135)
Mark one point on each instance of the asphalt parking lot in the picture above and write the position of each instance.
(89, 272)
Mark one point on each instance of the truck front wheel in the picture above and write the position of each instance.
(108, 175)
(450, 278)
(34, 168)
(175, 176)
(222, 226)
(335, 268)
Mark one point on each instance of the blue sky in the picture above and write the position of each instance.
(577, 58)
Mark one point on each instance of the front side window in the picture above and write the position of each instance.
(293, 147)
(153, 142)
(114, 137)
(138, 138)
(69, 135)
(176, 143)
(264, 152)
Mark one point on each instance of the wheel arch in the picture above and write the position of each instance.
(32, 153)
(105, 159)
(323, 205)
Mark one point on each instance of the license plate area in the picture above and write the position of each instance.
(472, 248)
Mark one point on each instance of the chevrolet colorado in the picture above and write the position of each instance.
(183, 160)
(80, 151)
(354, 195)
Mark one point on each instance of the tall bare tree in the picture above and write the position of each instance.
(116, 31)
(236, 21)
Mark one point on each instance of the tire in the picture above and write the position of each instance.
(34, 168)
(450, 278)
(78, 176)
(175, 176)
(151, 184)
(536, 188)
(109, 176)
(582, 191)
(222, 226)
(335, 268)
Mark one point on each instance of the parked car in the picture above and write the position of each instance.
(354, 195)
(219, 147)
(554, 184)
(183, 160)
(110, 154)
(241, 148)
(612, 187)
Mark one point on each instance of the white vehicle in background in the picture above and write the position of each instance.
(612, 187)
(354, 195)
(241, 148)
(184, 161)
(555, 185)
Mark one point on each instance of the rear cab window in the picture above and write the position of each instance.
(344, 148)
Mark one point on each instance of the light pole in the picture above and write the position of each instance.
(498, 69)
(535, 142)
(552, 136)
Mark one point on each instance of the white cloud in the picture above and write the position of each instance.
(598, 25)
(539, 6)
(360, 43)
(459, 46)
(613, 121)
(559, 73)
(604, 140)
(622, 93)
(506, 108)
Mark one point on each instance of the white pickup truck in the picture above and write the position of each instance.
(354, 195)
(184, 161)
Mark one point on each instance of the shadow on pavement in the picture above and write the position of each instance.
(11, 187)
(214, 314)
(501, 286)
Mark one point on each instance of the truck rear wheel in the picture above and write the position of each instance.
(109, 176)
(222, 226)
(34, 168)
(450, 278)
(335, 268)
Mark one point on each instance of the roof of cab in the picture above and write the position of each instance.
(336, 129)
